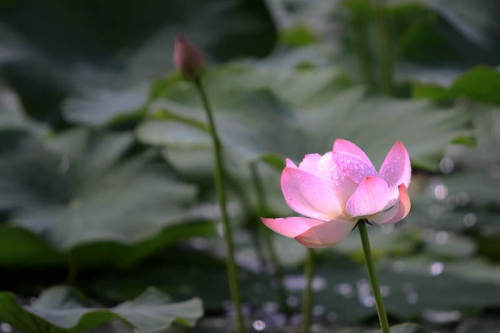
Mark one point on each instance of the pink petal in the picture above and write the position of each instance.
(290, 164)
(396, 168)
(322, 166)
(187, 58)
(353, 167)
(398, 212)
(344, 186)
(310, 163)
(290, 226)
(326, 234)
(372, 196)
(309, 195)
(345, 146)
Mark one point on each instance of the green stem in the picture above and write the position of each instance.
(362, 47)
(267, 236)
(221, 196)
(278, 270)
(259, 188)
(382, 315)
(72, 269)
(385, 55)
(307, 300)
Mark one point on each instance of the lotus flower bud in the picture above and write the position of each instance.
(188, 59)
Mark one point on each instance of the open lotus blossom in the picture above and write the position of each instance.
(337, 189)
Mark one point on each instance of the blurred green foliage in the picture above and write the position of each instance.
(106, 166)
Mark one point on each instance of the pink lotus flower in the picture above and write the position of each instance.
(337, 189)
(188, 59)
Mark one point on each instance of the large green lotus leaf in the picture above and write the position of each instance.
(387, 242)
(465, 200)
(452, 34)
(460, 35)
(486, 122)
(472, 20)
(476, 184)
(431, 40)
(261, 111)
(414, 287)
(448, 245)
(484, 155)
(20, 248)
(214, 325)
(483, 324)
(111, 47)
(445, 215)
(62, 309)
(480, 83)
(12, 116)
(461, 32)
(96, 106)
(71, 191)
(465, 197)
(181, 272)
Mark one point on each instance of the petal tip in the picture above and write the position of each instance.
(290, 163)
(400, 145)
(338, 142)
(396, 168)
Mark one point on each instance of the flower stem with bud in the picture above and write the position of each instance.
(221, 198)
